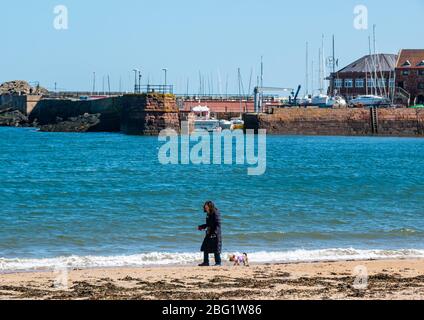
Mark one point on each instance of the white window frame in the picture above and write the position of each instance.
(338, 83)
(348, 83)
(359, 83)
(371, 82)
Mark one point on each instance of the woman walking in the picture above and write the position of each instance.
(213, 239)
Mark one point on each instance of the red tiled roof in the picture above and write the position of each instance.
(411, 58)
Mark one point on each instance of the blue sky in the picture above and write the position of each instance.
(214, 37)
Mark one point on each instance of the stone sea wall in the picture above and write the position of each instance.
(148, 114)
(350, 122)
(56, 113)
(135, 114)
(401, 122)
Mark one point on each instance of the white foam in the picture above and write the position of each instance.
(184, 259)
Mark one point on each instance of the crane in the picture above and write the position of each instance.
(258, 91)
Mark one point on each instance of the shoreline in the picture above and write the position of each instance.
(177, 266)
(388, 279)
(151, 260)
(270, 134)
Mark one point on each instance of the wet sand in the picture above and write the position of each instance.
(388, 279)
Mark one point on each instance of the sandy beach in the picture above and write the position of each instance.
(388, 279)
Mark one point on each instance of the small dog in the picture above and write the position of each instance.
(239, 260)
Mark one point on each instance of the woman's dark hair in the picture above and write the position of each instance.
(210, 205)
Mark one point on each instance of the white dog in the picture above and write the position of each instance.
(239, 260)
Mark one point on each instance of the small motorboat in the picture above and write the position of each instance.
(305, 101)
(336, 102)
(320, 100)
(237, 124)
(369, 101)
(204, 122)
(225, 124)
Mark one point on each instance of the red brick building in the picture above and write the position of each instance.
(410, 74)
(372, 74)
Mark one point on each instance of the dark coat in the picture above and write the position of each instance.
(213, 239)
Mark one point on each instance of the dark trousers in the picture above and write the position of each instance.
(217, 258)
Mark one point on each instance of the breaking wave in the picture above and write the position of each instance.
(186, 259)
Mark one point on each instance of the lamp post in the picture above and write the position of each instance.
(165, 70)
(94, 83)
(139, 81)
(135, 80)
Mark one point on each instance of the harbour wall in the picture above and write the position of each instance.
(22, 103)
(348, 122)
(148, 114)
(134, 114)
(51, 111)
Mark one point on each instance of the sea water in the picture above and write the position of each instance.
(104, 200)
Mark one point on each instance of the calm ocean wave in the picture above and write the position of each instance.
(106, 195)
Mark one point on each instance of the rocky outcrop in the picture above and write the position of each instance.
(84, 123)
(20, 87)
(10, 117)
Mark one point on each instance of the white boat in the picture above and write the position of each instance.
(369, 100)
(320, 100)
(225, 124)
(210, 125)
(203, 121)
(237, 124)
(336, 102)
(201, 112)
(305, 101)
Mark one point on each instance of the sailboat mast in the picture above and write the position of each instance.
(320, 71)
(334, 64)
(374, 39)
(262, 71)
(375, 59)
(239, 84)
(307, 70)
(323, 65)
(261, 101)
(369, 45)
(226, 87)
(312, 77)
(334, 54)
(250, 84)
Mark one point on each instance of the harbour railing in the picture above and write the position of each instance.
(158, 88)
(168, 89)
